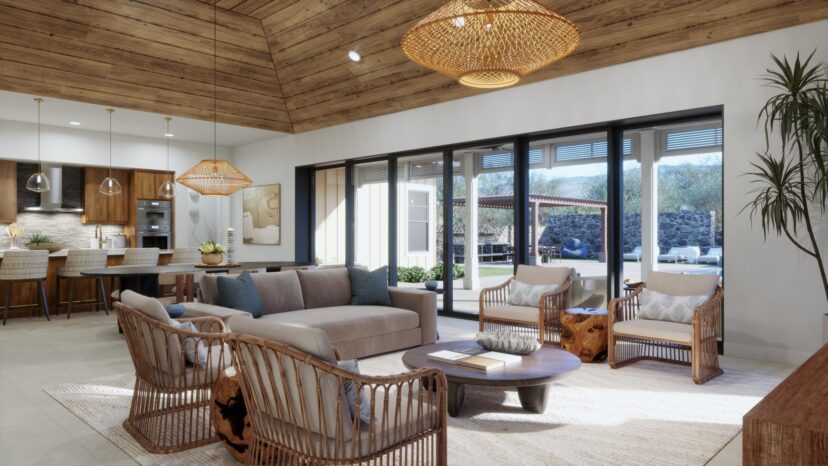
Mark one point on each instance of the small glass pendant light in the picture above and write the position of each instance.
(110, 186)
(38, 182)
(167, 188)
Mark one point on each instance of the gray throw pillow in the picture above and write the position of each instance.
(369, 288)
(239, 293)
(194, 350)
(351, 365)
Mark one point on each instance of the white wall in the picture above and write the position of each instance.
(83, 147)
(773, 296)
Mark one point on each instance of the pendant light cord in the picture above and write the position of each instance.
(110, 140)
(39, 164)
(168, 142)
(215, 78)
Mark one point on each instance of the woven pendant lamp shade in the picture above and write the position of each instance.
(214, 178)
(490, 43)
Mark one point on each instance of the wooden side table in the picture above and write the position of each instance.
(230, 417)
(584, 333)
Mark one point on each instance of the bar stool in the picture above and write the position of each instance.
(178, 282)
(78, 260)
(21, 266)
(138, 256)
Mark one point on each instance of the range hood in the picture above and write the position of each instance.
(52, 200)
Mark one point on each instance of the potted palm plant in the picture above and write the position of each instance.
(791, 180)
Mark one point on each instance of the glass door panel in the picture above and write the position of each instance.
(371, 215)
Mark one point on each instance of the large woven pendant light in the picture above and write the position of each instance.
(110, 186)
(214, 177)
(38, 182)
(490, 43)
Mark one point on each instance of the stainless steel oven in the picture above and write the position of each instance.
(153, 228)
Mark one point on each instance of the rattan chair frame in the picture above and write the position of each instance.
(414, 435)
(548, 327)
(702, 354)
(170, 411)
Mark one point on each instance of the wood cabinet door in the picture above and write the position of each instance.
(160, 178)
(8, 191)
(118, 206)
(95, 204)
(145, 187)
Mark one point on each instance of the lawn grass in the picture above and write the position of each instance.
(495, 271)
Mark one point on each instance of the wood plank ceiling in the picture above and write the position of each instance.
(282, 64)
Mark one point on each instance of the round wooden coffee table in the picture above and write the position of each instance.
(532, 377)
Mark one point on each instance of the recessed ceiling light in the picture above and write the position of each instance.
(169, 135)
(354, 55)
(74, 123)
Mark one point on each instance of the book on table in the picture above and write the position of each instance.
(475, 358)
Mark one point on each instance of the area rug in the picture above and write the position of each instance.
(644, 414)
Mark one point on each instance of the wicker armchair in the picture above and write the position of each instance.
(694, 344)
(170, 408)
(543, 322)
(299, 412)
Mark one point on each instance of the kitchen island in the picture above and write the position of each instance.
(26, 293)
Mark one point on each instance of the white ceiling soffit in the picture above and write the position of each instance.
(58, 112)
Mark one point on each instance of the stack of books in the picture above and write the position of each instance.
(476, 358)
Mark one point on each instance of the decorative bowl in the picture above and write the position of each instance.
(507, 342)
(431, 285)
(211, 259)
(51, 247)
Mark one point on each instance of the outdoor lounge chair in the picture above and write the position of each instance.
(673, 255)
(712, 256)
(635, 255)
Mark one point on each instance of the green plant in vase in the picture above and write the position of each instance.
(211, 252)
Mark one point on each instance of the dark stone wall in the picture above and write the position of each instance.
(685, 228)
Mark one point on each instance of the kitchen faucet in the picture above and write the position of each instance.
(99, 236)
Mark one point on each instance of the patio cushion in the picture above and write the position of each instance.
(660, 329)
(345, 323)
(681, 284)
(510, 312)
(539, 275)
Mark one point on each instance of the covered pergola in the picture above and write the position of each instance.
(537, 202)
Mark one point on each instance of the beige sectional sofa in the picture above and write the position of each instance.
(321, 299)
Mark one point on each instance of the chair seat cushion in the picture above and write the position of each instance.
(659, 329)
(511, 312)
(345, 323)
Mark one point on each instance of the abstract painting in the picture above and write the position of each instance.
(262, 214)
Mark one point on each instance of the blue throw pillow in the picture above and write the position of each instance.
(174, 310)
(239, 293)
(369, 288)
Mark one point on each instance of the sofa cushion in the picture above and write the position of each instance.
(310, 340)
(239, 293)
(369, 288)
(660, 329)
(325, 288)
(510, 312)
(278, 291)
(682, 284)
(343, 323)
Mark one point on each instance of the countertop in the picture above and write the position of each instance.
(110, 252)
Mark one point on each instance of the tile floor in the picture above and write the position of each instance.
(36, 430)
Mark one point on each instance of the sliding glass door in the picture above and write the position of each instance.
(568, 211)
(371, 214)
(484, 222)
(329, 216)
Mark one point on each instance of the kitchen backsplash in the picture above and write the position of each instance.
(65, 228)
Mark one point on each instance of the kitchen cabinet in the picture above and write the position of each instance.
(8, 191)
(146, 183)
(98, 208)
